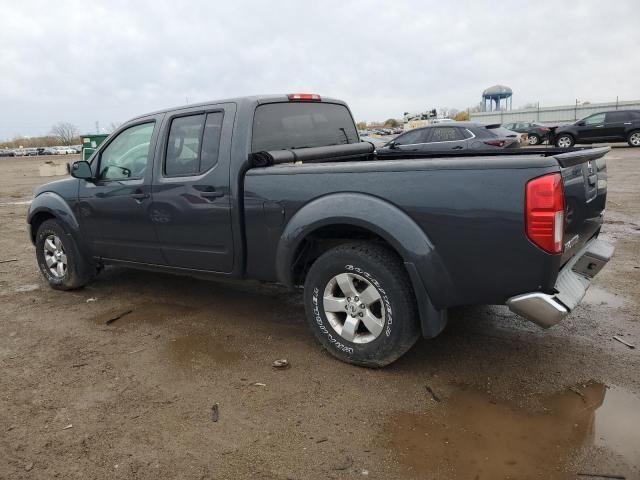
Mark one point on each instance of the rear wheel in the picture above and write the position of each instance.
(564, 140)
(534, 139)
(360, 304)
(634, 139)
(59, 258)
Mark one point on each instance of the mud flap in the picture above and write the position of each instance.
(432, 320)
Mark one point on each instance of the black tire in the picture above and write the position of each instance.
(534, 139)
(77, 271)
(382, 269)
(571, 141)
(633, 139)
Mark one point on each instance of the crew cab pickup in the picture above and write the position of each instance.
(281, 189)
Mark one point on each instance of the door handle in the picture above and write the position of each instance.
(212, 194)
(628, 123)
(139, 196)
(457, 147)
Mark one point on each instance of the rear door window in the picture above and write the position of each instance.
(193, 144)
(291, 125)
(446, 134)
(622, 116)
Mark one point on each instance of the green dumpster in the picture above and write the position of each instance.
(90, 142)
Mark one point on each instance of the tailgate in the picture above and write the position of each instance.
(584, 175)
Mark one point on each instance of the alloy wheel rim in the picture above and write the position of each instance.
(54, 256)
(354, 308)
(635, 139)
(564, 142)
(533, 140)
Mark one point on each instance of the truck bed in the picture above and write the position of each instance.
(471, 208)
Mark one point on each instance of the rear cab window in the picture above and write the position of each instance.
(291, 125)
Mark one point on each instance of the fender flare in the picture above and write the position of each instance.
(54, 205)
(425, 269)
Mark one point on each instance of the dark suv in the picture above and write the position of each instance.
(616, 126)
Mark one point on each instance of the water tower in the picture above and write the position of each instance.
(497, 94)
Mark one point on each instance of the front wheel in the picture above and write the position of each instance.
(360, 304)
(634, 139)
(59, 259)
(564, 140)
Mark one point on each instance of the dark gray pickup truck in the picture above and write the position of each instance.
(281, 189)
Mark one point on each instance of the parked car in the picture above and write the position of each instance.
(30, 152)
(537, 133)
(522, 138)
(49, 151)
(41, 150)
(615, 126)
(281, 189)
(64, 150)
(452, 137)
(6, 152)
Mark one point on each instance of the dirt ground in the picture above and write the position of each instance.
(493, 397)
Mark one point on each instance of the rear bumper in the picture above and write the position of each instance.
(575, 277)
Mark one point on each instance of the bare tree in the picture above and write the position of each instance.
(67, 133)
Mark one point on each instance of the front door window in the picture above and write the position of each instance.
(125, 158)
(597, 119)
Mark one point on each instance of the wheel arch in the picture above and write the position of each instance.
(345, 217)
(50, 205)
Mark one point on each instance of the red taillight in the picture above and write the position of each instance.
(545, 212)
(496, 143)
(304, 97)
(545, 129)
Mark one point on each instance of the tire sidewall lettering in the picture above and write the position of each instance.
(385, 298)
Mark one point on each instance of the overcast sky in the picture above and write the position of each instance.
(82, 61)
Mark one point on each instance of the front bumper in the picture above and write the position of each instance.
(575, 277)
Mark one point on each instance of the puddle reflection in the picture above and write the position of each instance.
(472, 437)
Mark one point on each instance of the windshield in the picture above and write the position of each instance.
(290, 125)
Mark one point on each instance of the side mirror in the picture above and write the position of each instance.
(581, 124)
(391, 144)
(82, 170)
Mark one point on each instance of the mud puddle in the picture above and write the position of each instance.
(470, 436)
(151, 313)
